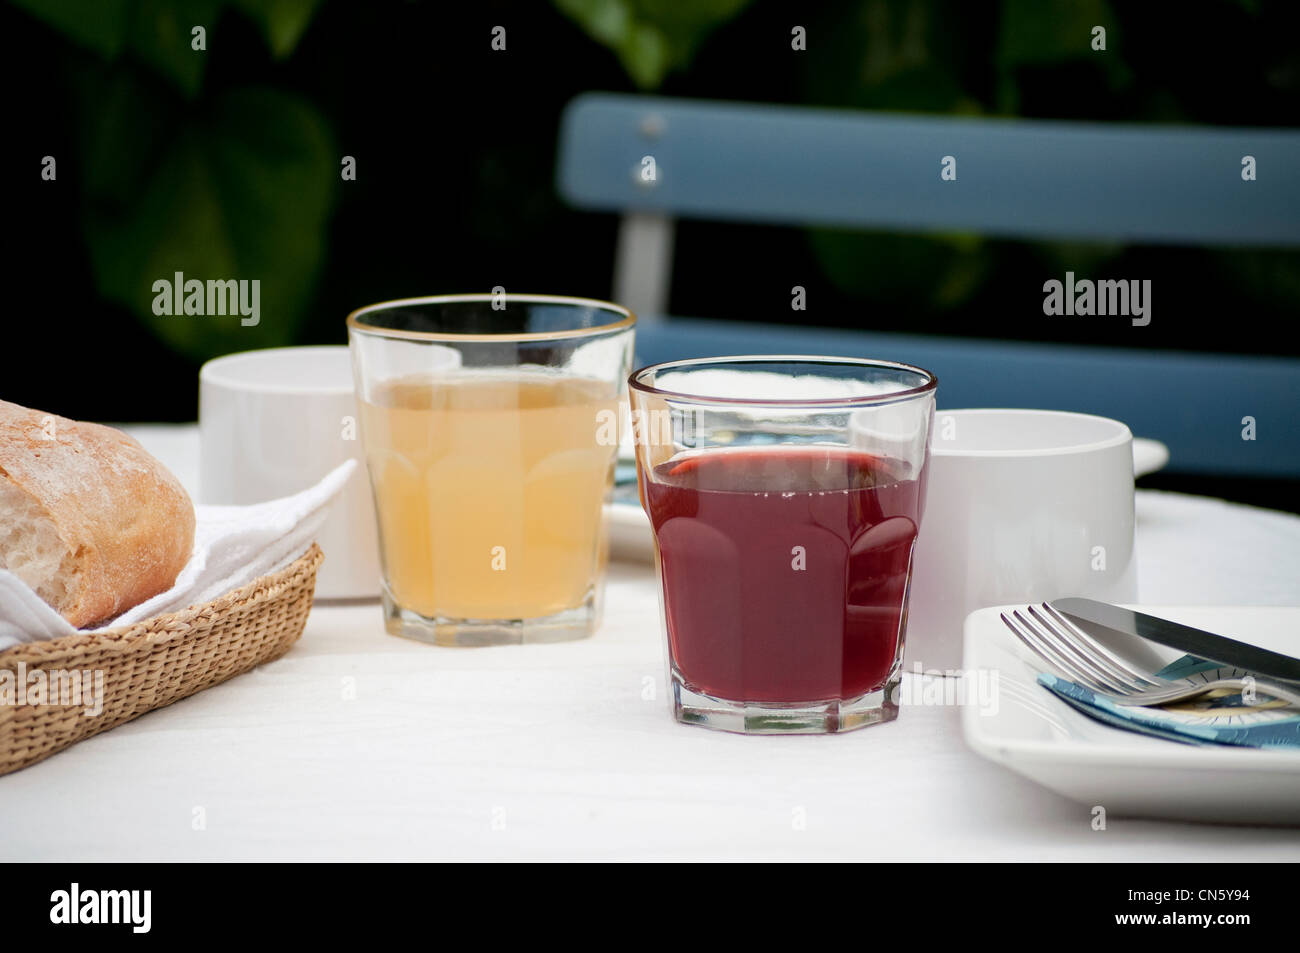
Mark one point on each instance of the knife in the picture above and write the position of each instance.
(1206, 645)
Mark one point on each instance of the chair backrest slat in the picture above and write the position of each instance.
(1014, 178)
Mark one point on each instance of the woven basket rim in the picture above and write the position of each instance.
(170, 625)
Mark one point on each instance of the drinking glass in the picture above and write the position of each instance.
(490, 470)
(785, 494)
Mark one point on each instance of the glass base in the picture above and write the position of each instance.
(772, 718)
(566, 626)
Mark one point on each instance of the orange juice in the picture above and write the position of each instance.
(489, 491)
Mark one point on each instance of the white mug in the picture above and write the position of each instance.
(274, 422)
(1022, 506)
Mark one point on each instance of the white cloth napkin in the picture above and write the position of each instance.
(233, 545)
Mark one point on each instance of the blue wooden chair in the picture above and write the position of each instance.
(1015, 178)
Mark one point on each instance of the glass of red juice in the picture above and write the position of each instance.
(785, 495)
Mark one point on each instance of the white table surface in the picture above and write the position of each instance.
(358, 745)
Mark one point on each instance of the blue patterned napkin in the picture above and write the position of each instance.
(1222, 719)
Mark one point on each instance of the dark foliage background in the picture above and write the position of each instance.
(226, 162)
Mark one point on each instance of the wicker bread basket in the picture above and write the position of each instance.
(154, 662)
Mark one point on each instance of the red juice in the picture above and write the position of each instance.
(784, 569)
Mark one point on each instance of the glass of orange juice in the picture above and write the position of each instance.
(490, 426)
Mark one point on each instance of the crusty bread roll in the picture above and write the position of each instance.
(87, 518)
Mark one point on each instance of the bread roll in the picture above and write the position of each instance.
(87, 518)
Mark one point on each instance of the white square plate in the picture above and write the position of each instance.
(1024, 727)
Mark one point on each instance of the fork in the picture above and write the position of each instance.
(1081, 658)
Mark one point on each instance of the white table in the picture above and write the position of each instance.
(358, 745)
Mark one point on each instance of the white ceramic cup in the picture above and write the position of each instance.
(1022, 506)
(274, 422)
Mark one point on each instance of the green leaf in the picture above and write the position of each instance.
(921, 272)
(650, 37)
(100, 25)
(646, 55)
(282, 22)
(162, 37)
(122, 123)
(902, 55)
(159, 33)
(242, 193)
(1049, 31)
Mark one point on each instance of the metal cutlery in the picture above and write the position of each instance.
(1079, 657)
(1089, 615)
